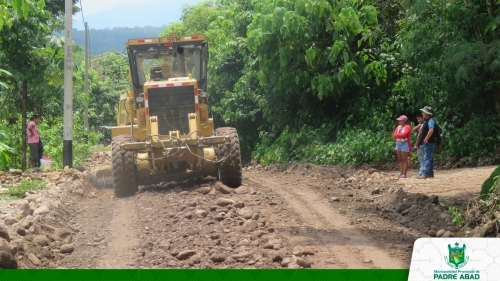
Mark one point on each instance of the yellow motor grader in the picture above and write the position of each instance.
(164, 131)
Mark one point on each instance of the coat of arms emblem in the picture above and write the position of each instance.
(456, 256)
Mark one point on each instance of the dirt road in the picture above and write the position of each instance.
(304, 216)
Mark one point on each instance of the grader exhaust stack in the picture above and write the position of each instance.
(164, 132)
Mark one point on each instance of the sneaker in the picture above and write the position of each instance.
(425, 177)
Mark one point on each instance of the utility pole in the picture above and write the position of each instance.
(86, 84)
(68, 86)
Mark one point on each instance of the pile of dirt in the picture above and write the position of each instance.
(101, 169)
(35, 231)
(416, 211)
(102, 158)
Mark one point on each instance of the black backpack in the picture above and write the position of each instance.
(437, 135)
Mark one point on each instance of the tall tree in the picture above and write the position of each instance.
(32, 55)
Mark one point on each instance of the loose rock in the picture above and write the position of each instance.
(431, 233)
(444, 216)
(4, 233)
(241, 190)
(204, 190)
(307, 253)
(285, 262)
(16, 247)
(184, 255)
(222, 188)
(21, 231)
(16, 172)
(22, 208)
(64, 235)
(239, 205)
(447, 234)
(248, 225)
(41, 240)
(10, 221)
(246, 213)
(200, 213)
(303, 263)
(164, 245)
(434, 199)
(7, 260)
(42, 210)
(224, 202)
(268, 246)
(218, 257)
(5, 246)
(277, 257)
(440, 233)
(32, 258)
(67, 249)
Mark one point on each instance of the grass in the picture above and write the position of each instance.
(100, 148)
(23, 187)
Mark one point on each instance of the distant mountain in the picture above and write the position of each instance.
(114, 39)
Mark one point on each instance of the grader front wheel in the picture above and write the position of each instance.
(229, 169)
(124, 181)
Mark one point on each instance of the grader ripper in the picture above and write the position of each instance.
(164, 132)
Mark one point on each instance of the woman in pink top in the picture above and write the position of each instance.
(402, 135)
(33, 139)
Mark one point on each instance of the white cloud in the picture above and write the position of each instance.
(129, 13)
(94, 6)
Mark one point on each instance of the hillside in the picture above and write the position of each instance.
(104, 40)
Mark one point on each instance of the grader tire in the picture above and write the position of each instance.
(230, 169)
(124, 180)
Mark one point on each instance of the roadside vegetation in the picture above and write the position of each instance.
(31, 82)
(18, 191)
(323, 81)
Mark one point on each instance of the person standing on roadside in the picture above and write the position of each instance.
(428, 137)
(402, 135)
(33, 140)
(38, 163)
(419, 146)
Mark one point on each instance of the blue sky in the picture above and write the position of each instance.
(101, 14)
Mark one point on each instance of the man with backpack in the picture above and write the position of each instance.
(429, 136)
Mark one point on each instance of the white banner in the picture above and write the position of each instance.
(455, 259)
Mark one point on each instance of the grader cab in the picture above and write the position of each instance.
(164, 131)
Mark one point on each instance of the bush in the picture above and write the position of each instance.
(5, 149)
(353, 146)
(52, 138)
(478, 137)
(51, 132)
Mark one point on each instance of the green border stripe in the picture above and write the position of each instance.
(206, 274)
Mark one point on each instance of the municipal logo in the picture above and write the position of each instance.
(456, 256)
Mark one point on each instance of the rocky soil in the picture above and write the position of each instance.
(300, 216)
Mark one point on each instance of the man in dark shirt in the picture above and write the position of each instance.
(426, 136)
